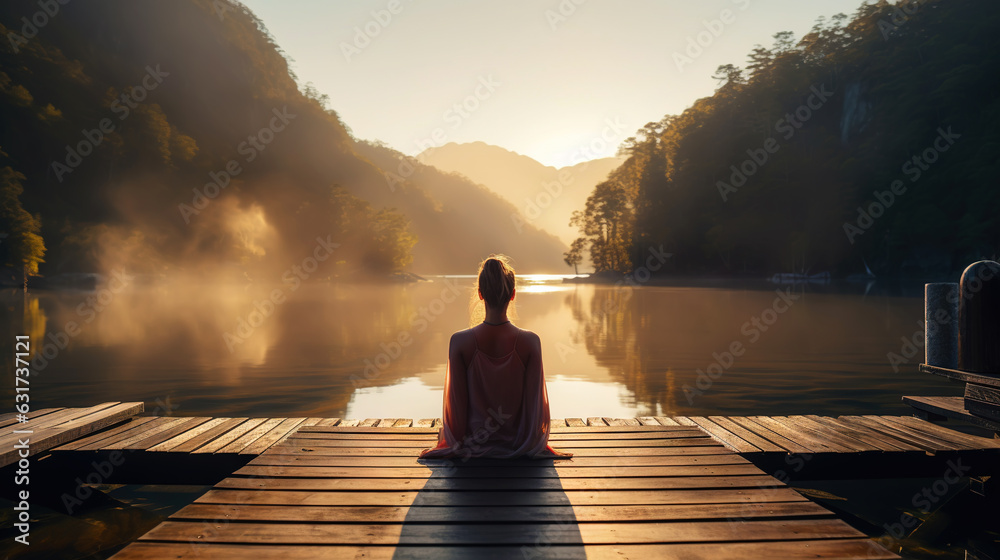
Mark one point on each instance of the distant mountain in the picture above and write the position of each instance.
(463, 220)
(545, 196)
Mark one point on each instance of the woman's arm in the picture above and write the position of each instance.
(456, 404)
(536, 404)
(456, 394)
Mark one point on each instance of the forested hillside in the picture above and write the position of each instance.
(873, 138)
(172, 136)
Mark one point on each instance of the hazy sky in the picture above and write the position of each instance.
(558, 80)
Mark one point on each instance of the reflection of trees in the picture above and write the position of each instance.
(618, 329)
(148, 342)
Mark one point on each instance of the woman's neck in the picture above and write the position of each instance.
(496, 316)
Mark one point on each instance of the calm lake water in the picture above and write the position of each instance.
(608, 351)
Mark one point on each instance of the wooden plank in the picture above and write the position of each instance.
(809, 437)
(684, 421)
(729, 439)
(609, 443)
(631, 421)
(329, 422)
(386, 422)
(557, 423)
(129, 424)
(987, 395)
(51, 420)
(664, 421)
(437, 423)
(80, 415)
(950, 407)
(374, 431)
(595, 421)
(501, 534)
(186, 424)
(500, 499)
(876, 439)
(310, 422)
(195, 437)
(403, 423)
(424, 423)
(491, 473)
(274, 458)
(369, 422)
(10, 418)
(839, 549)
(99, 415)
(964, 376)
(45, 439)
(946, 442)
(712, 447)
(273, 436)
(602, 429)
(647, 421)
(119, 435)
(792, 432)
(252, 435)
(486, 514)
(575, 422)
(503, 484)
(348, 423)
(824, 431)
(556, 435)
(44, 421)
(895, 434)
(151, 429)
(764, 432)
(746, 435)
(561, 430)
(922, 425)
(222, 439)
(881, 431)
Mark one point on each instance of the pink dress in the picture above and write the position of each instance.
(499, 409)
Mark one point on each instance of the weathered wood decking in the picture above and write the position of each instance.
(630, 491)
(940, 408)
(50, 427)
(75, 432)
(685, 487)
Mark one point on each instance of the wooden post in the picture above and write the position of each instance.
(979, 319)
(941, 325)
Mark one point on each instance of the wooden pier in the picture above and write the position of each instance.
(664, 487)
(650, 491)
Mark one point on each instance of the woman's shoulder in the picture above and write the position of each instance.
(462, 335)
(529, 337)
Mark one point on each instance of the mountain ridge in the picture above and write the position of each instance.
(545, 196)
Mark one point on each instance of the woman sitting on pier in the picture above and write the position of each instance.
(495, 403)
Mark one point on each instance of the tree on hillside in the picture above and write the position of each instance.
(575, 255)
(606, 224)
(23, 246)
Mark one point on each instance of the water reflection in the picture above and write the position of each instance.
(379, 351)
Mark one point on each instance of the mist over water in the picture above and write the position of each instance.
(375, 351)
